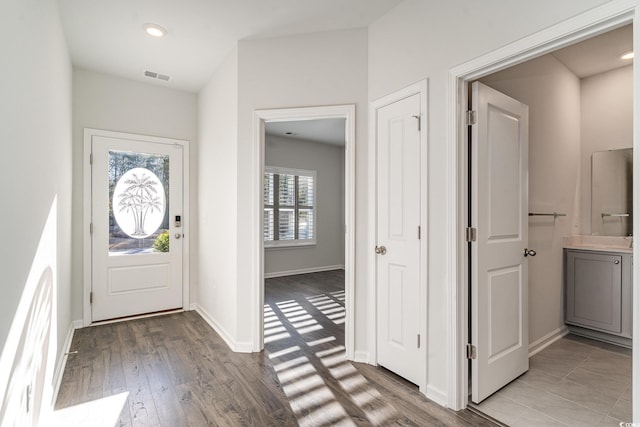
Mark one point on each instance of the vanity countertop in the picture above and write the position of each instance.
(620, 244)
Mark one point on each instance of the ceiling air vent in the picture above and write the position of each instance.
(155, 75)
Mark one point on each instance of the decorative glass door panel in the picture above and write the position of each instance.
(136, 213)
(139, 203)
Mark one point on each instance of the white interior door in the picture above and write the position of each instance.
(499, 294)
(398, 247)
(136, 215)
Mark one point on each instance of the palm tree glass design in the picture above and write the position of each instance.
(138, 208)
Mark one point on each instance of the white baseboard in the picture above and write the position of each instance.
(437, 395)
(361, 357)
(193, 306)
(238, 347)
(540, 344)
(62, 358)
(302, 271)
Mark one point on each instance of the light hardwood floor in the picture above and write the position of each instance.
(177, 371)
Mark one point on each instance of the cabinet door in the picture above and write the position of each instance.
(594, 290)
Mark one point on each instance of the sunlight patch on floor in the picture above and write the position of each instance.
(309, 381)
(103, 412)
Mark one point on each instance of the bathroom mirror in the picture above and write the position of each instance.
(611, 192)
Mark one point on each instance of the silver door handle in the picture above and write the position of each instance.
(529, 252)
(616, 261)
(381, 250)
(178, 235)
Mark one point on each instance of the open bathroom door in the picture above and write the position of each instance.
(499, 212)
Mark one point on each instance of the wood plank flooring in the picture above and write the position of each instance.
(178, 372)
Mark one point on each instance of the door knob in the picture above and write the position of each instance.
(529, 252)
(381, 250)
(178, 235)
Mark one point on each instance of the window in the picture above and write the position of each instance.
(289, 207)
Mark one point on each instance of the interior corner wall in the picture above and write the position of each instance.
(35, 130)
(607, 124)
(552, 93)
(112, 103)
(417, 40)
(217, 198)
(327, 161)
(328, 68)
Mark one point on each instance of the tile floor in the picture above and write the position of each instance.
(573, 382)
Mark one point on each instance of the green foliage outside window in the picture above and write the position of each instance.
(161, 244)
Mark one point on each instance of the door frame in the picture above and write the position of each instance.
(418, 88)
(89, 133)
(593, 22)
(260, 118)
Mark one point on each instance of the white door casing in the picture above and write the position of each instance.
(499, 211)
(129, 282)
(592, 22)
(398, 237)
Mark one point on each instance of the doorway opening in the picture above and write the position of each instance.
(305, 223)
(570, 377)
(596, 21)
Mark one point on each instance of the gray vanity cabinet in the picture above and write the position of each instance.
(598, 294)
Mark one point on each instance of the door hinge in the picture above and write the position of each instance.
(91, 297)
(419, 232)
(472, 117)
(90, 158)
(418, 340)
(470, 234)
(471, 351)
(419, 118)
(90, 228)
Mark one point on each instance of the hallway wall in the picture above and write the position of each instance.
(420, 39)
(35, 179)
(112, 103)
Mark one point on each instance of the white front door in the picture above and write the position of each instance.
(499, 212)
(136, 215)
(398, 240)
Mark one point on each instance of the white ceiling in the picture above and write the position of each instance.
(598, 54)
(107, 35)
(326, 131)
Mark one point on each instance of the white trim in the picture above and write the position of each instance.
(541, 343)
(437, 395)
(419, 88)
(362, 357)
(260, 117)
(598, 20)
(302, 271)
(86, 214)
(239, 347)
(62, 357)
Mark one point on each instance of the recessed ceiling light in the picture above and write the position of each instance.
(627, 55)
(154, 30)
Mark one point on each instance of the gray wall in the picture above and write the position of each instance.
(607, 123)
(113, 103)
(328, 162)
